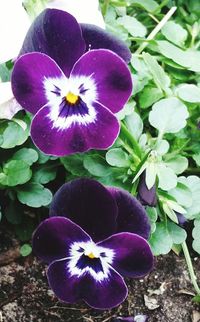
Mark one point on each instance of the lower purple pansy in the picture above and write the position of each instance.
(80, 269)
(101, 211)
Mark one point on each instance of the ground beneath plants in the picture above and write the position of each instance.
(165, 295)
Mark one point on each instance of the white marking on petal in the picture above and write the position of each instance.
(82, 86)
(86, 249)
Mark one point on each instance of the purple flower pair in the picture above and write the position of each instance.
(72, 93)
(91, 269)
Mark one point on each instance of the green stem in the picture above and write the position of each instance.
(156, 29)
(130, 151)
(132, 140)
(190, 267)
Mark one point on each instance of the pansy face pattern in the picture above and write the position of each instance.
(74, 101)
(80, 269)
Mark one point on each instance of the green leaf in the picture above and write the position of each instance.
(96, 165)
(133, 26)
(193, 183)
(25, 250)
(189, 93)
(118, 158)
(30, 156)
(149, 5)
(15, 172)
(44, 174)
(74, 164)
(34, 195)
(168, 115)
(177, 233)
(161, 241)
(174, 33)
(167, 179)
(153, 216)
(182, 194)
(13, 134)
(196, 158)
(196, 236)
(178, 163)
(149, 96)
(134, 124)
(160, 78)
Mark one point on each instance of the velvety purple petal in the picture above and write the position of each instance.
(57, 34)
(28, 78)
(71, 288)
(53, 237)
(88, 203)
(53, 140)
(133, 256)
(111, 75)
(132, 216)
(146, 196)
(182, 220)
(96, 38)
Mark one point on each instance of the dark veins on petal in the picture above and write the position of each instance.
(94, 263)
(67, 109)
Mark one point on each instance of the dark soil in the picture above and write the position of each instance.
(165, 295)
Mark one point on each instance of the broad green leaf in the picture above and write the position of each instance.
(96, 165)
(134, 124)
(196, 158)
(15, 172)
(168, 115)
(178, 163)
(174, 33)
(118, 158)
(13, 134)
(189, 93)
(149, 5)
(153, 216)
(177, 233)
(161, 241)
(149, 96)
(133, 26)
(196, 236)
(34, 195)
(182, 194)
(160, 78)
(193, 183)
(167, 179)
(44, 174)
(30, 156)
(74, 164)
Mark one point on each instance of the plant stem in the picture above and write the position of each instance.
(156, 29)
(190, 267)
(131, 139)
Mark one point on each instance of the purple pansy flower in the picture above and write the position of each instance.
(80, 269)
(100, 211)
(75, 96)
(146, 196)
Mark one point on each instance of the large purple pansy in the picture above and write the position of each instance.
(100, 211)
(72, 114)
(57, 34)
(80, 269)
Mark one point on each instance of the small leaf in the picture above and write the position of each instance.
(174, 33)
(196, 236)
(161, 241)
(133, 26)
(96, 165)
(189, 93)
(34, 195)
(168, 115)
(44, 174)
(25, 250)
(178, 163)
(149, 96)
(30, 156)
(134, 124)
(117, 158)
(15, 172)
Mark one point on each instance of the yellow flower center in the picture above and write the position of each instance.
(91, 255)
(71, 98)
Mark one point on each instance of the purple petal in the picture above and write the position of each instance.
(111, 75)
(182, 220)
(146, 196)
(76, 136)
(53, 237)
(71, 288)
(57, 34)
(96, 38)
(28, 78)
(89, 204)
(133, 256)
(132, 216)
